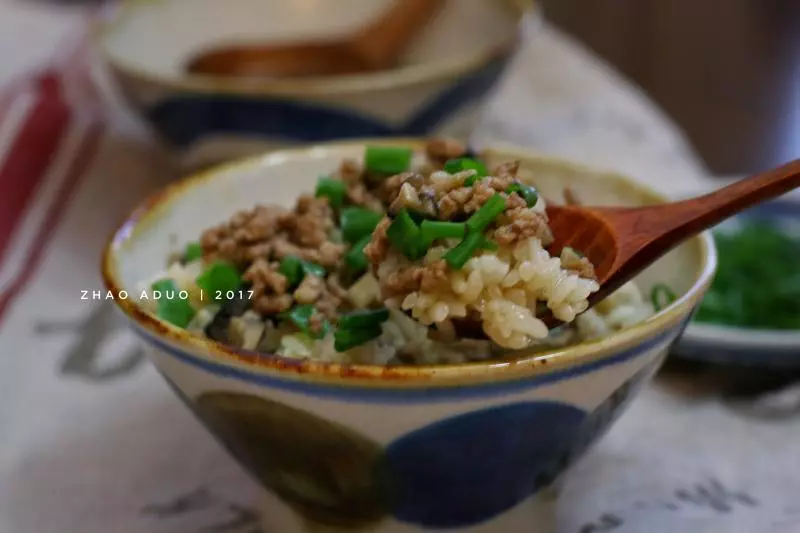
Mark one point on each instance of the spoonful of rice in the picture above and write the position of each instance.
(621, 242)
(485, 255)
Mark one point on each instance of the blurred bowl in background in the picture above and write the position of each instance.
(437, 88)
(732, 345)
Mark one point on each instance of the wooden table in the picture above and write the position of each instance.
(728, 71)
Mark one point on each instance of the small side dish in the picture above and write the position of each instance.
(376, 264)
(757, 285)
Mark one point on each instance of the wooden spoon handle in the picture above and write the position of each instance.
(651, 232)
(689, 217)
(383, 41)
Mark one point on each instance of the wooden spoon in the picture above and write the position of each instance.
(376, 47)
(621, 242)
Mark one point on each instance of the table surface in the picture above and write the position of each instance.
(93, 441)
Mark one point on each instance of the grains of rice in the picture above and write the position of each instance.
(502, 286)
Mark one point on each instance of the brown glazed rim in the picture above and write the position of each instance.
(525, 364)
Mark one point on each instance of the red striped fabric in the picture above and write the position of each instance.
(30, 155)
(83, 157)
(61, 102)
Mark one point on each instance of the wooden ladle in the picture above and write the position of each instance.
(622, 241)
(376, 47)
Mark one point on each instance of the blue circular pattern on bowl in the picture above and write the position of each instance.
(184, 119)
(467, 469)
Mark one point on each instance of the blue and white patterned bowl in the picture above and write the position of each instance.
(438, 88)
(470, 447)
(727, 345)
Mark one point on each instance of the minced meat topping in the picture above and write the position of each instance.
(307, 265)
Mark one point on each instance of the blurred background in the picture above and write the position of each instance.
(727, 71)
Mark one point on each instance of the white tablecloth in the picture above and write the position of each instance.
(91, 440)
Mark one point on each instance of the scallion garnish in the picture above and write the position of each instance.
(458, 256)
(171, 308)
(432, 230)
(405, 235)
(363, 318)
(218, 279)
(292, 269)
(313, 269)
(487, 213)
(355, 258)
(487, 244)
(192, 252)
(357, 223)
(661, 296)
(454, 166)
(388, 159)
(300, 316)
(295, 269)
(470, 181)
(527, 192)
(332, 189)
(344, 339)
(358, 327)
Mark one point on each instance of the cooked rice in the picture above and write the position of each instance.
(501, 287)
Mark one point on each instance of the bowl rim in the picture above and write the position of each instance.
(102, 26)
(741, 339)
(524, 364)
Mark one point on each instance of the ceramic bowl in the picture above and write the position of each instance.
(727, 345)
(437, 88)
(473, 447)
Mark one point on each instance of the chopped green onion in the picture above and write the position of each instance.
(219, 278)
(487, 244)
(292, 269)
(355, 258)
(404, 234)
(192, 252)
(364, 318)
(357, 223)
(454, 166)
(526, 192)
(332, 189)
(295, 269)
(458, 256)
(313, 269)
(487, 213)
(661, 296)
(470, 181)
(344, 339)
(432, 230)
(388, 159)
(416, 216)
(164, 285)
(174, 310)
(300, 316)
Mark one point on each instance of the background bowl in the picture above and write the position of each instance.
(729, 345)
(438, 87)
(404, 448)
